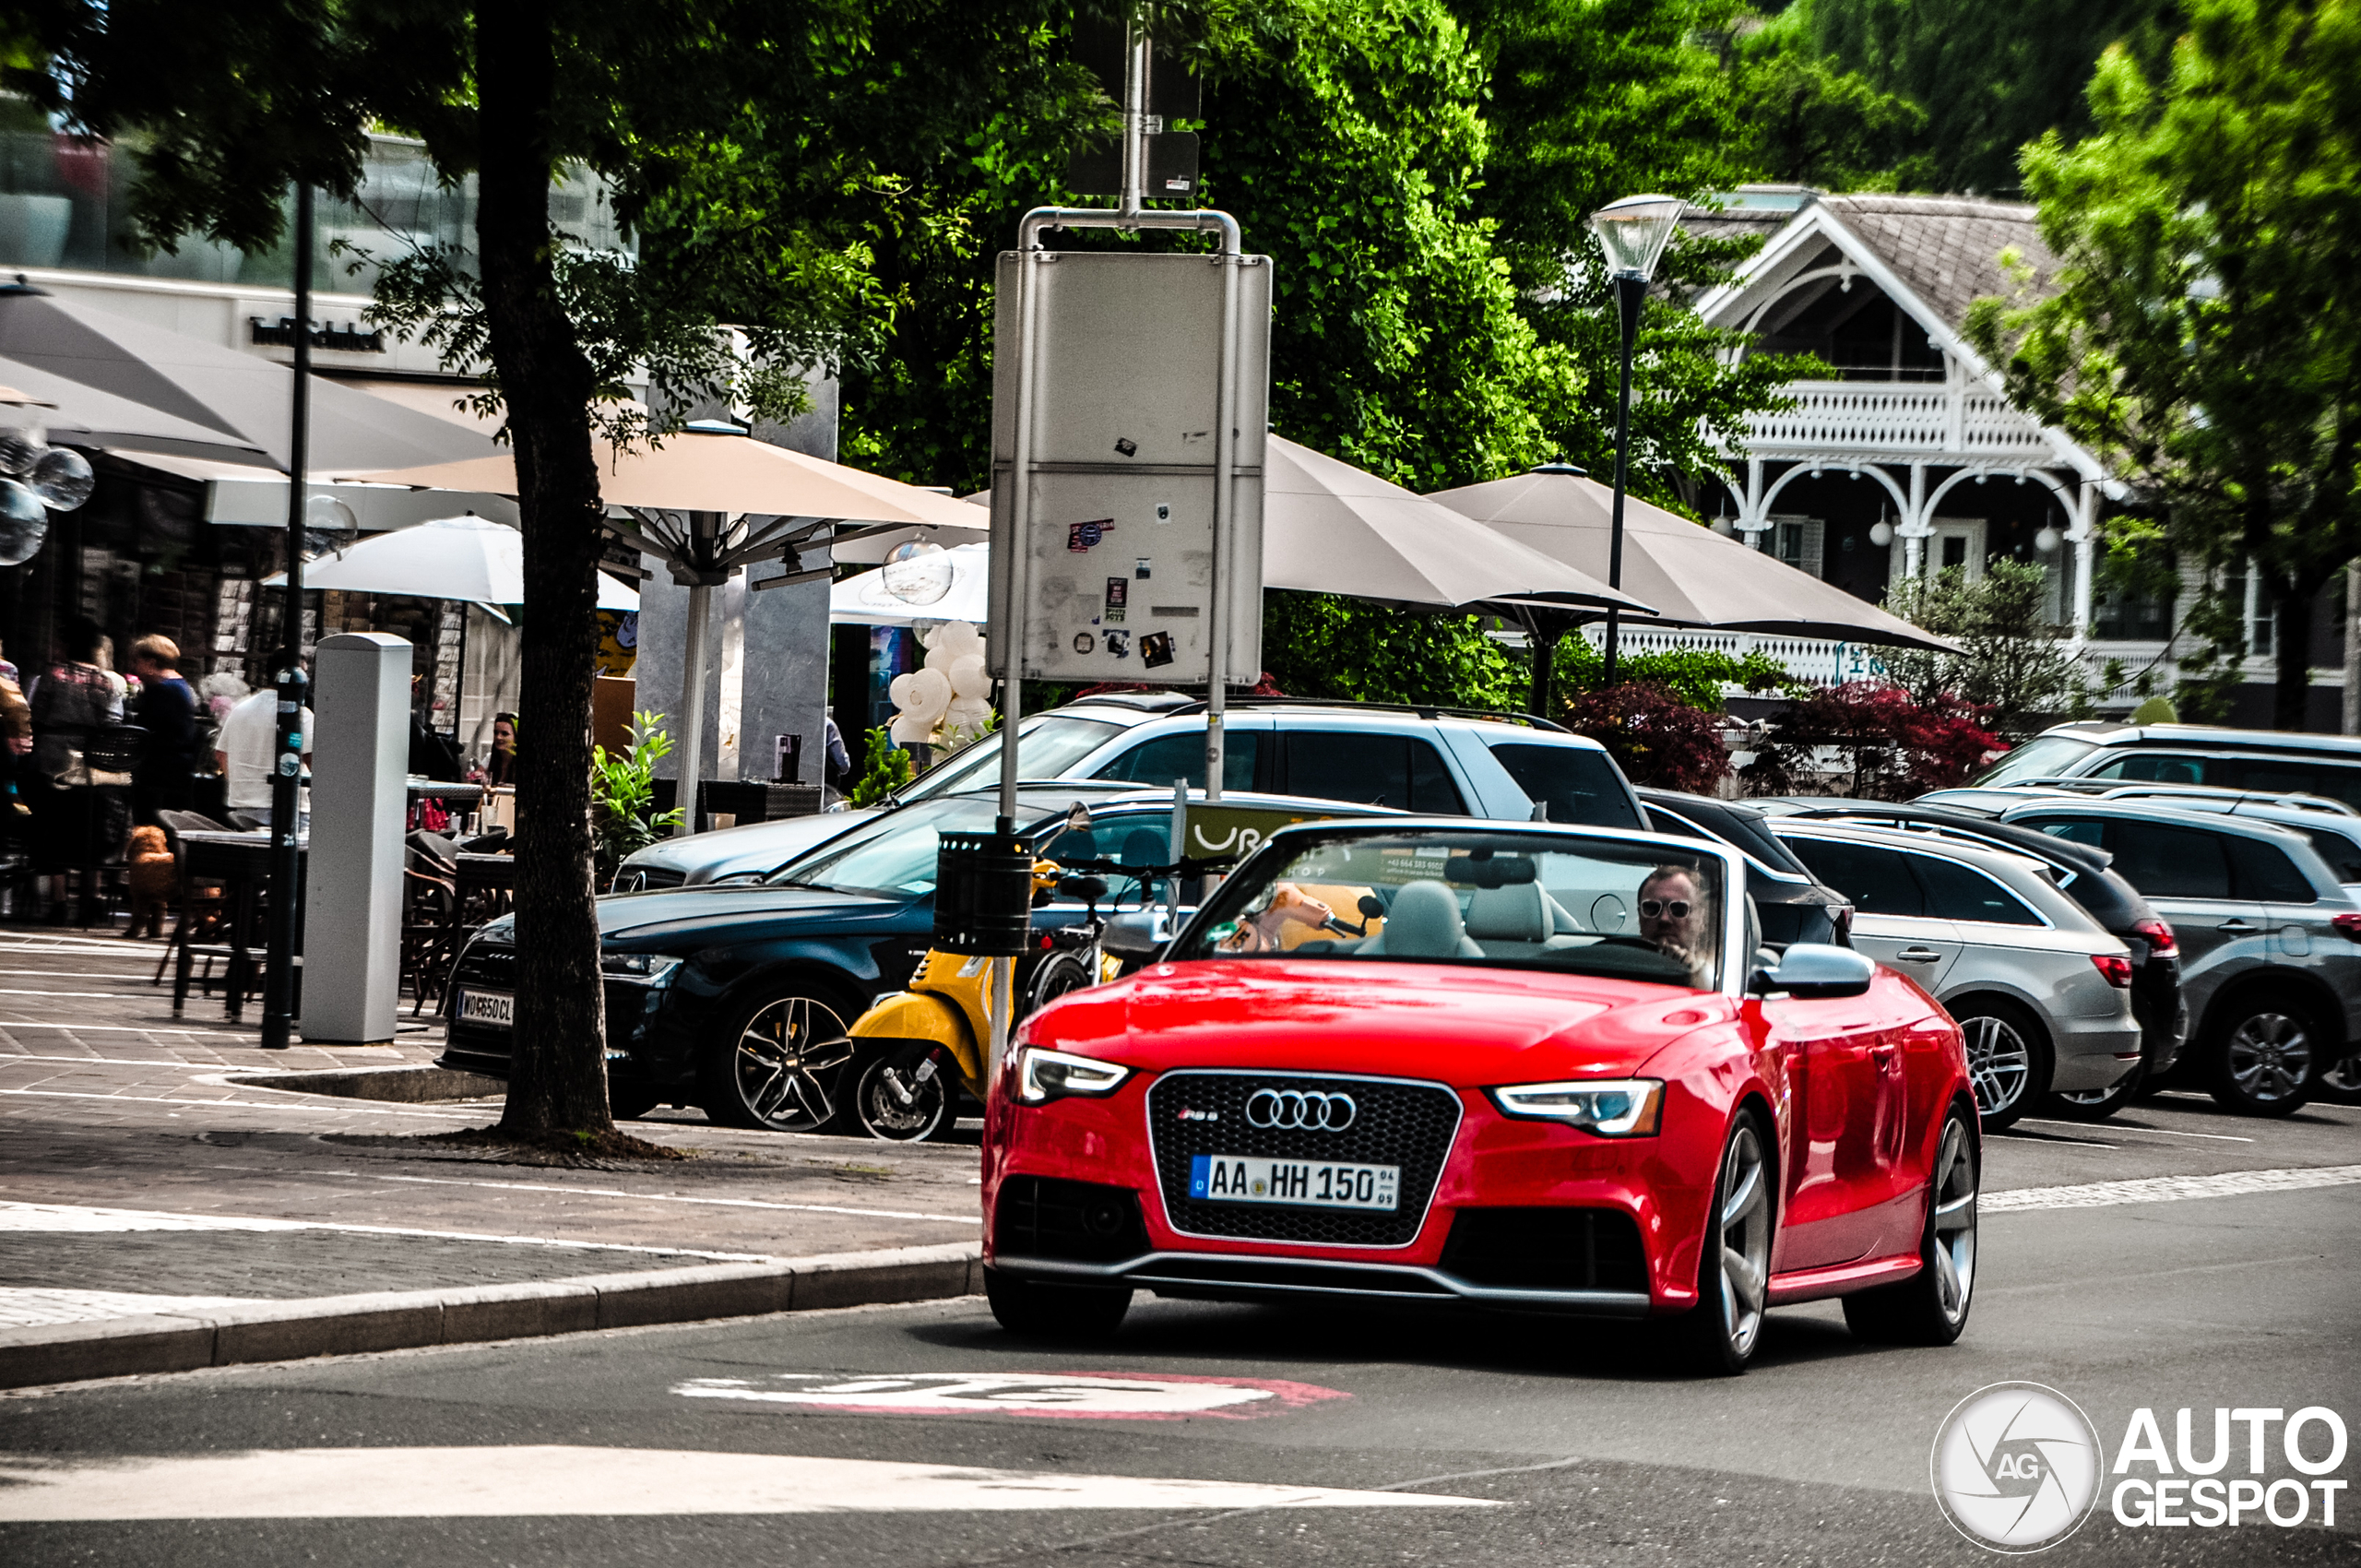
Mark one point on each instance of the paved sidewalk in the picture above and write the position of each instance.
(156, 1189)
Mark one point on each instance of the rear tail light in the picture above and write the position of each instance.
(2349, 924)
(2118, 970)
(2162, 942)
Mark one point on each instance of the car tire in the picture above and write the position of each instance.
(890, 1101)
(1718, 1336)
(1931, 1306)
(2258, 1053)
(1059, 974)
(782, 1064)
(2098, 1105)
(2008, 1059)
(1067, 1312)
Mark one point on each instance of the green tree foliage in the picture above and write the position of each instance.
(623, 794)
(2205, 333)
(1692, 676)
(2015, 664)
(1991, 74)
(1320, 645)
(1811, 122)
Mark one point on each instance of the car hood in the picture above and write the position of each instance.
(700, 915)
(758, 847)
(1468, 1026)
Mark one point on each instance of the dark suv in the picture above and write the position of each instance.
(2082, 873)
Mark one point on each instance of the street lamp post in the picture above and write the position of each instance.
(1633, 233)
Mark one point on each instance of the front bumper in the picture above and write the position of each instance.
(1220, 1277)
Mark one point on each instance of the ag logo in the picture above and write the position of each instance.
(2016, 1467)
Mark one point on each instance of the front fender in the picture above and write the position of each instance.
(917, 1015)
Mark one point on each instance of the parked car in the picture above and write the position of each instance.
(2082, 873)
(2271, 943)
(2270, 760)
(2042, 992)
(1606, 1127)
(1448, 762)
(1791, 905)
(739, 998)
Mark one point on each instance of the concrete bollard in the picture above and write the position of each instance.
(352, 890)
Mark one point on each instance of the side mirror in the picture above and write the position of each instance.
(1136, 937)
(1814, 971)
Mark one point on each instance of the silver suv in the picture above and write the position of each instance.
(1437, 762)
(2273, 761)
(2269, 942)
(2040, 990)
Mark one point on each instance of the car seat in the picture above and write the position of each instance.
(1516, 922)
(1423, 922)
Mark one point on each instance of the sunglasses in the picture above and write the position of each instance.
(1657, 909)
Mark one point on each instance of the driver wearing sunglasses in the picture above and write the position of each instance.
(1673, 915)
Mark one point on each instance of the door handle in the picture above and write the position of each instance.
(1918, 956)
(1889, 1060)
(2238, 928)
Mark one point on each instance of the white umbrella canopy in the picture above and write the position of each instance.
(962, 574)
(1692, 575)
(1328, 527)
(471, 558)
(707, 471)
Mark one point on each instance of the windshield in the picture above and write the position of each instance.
(2049, 756)
(1574, 783)
(1045, 748)
(892, 856)
(1501, 900)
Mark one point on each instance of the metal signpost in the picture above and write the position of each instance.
(287, 759)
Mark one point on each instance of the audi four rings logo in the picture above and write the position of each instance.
(1300, 1110)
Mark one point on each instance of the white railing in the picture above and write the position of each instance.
(1816, 659)
(1842, 417)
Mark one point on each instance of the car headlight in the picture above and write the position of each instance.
(638, 968)
(1044, 1075)
(1623, 1108)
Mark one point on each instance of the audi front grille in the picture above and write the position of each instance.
(1396, 1122)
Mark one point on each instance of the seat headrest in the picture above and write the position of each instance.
(1424, 923)
(1516, 913)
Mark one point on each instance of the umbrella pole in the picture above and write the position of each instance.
(1542, 633)
(1630, 291)
(286, 874)
(691, 712)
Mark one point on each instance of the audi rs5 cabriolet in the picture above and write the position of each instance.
(1531, 1068)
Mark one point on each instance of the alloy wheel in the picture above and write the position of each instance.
(899, 1100)
(1999, 1062)
(789, 1058)
(1955, 1239)
(1745, 1226)
(2270, 1056)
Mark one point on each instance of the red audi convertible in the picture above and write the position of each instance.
(1532, 1068)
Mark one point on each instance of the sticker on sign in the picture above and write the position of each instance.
(1102, 1395)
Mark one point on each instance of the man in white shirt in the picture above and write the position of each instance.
(247, 746)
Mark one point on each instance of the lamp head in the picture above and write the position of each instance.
(1633, 232)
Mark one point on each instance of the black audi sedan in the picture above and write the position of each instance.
(739, 997)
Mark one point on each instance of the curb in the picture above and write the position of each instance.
(405, 1086)
(402, 1320)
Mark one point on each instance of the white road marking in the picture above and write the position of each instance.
(114, 1029)
(307, 1102)
(675, 1198)
(8, 1056)
(27, 1306)
(442, 1483)
(103, 995)
(1086, 1395)
(2168, 1189)
(18, 1219)
(2136, 1127)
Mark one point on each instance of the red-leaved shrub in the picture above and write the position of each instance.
(1889, 745)
(1652, 735)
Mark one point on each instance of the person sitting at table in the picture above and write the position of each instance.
(73, 700)
(247, 750)
(500, 768)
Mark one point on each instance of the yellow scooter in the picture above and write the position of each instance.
(923, 1044)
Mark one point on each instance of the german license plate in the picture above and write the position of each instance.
(1306, 1183)
(493, 1009)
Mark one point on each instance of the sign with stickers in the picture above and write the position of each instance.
(1126, 366)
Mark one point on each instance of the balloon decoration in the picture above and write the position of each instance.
(918, 573)
(943, 703)
(36, 479)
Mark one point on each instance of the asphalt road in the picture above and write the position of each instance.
(1205, 1433)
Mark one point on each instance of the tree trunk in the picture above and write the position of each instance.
(558, 1075)
(2291, 648)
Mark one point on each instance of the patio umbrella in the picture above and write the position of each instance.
(1692, 575)
(237, 400)
(76, 415)
(959, 580)
(1328, 527)
(471, 558)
